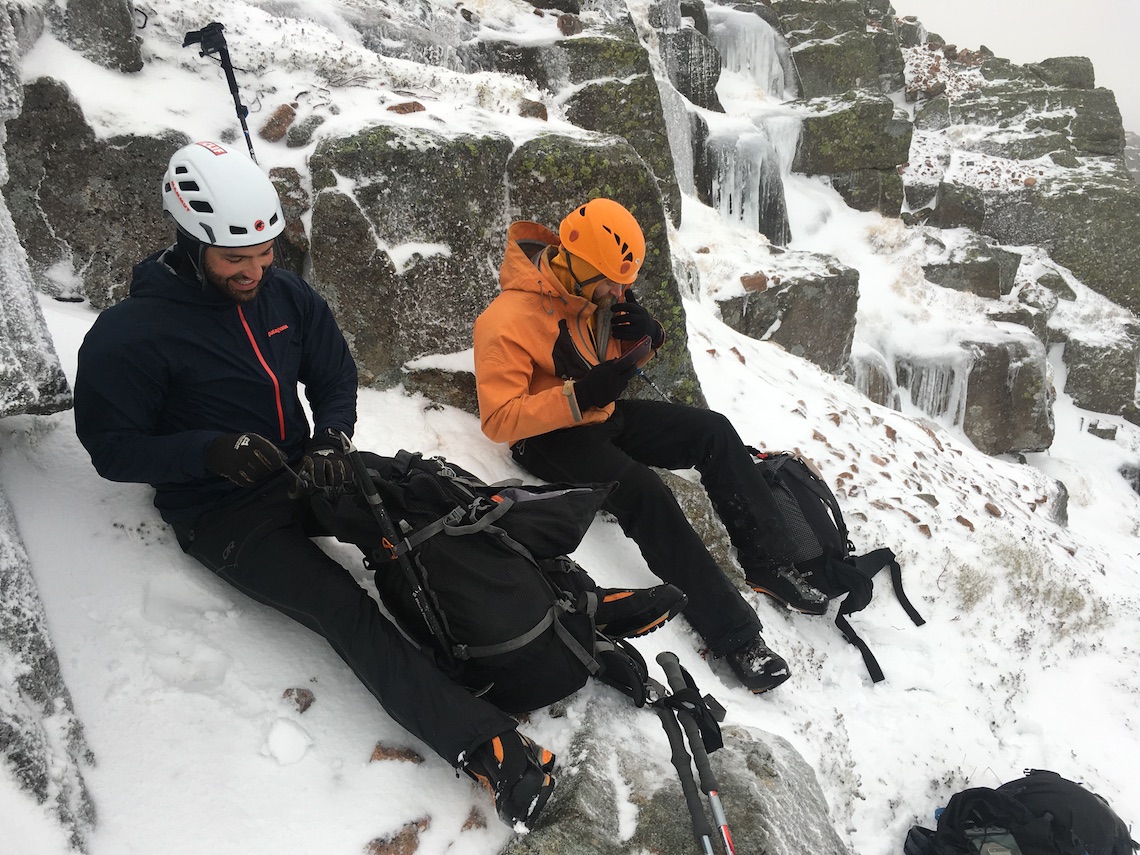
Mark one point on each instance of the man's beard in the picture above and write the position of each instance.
(231, 291)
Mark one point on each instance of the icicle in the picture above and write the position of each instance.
(748, 45)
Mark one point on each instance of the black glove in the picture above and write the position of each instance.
(324, 463)
(632, 321)
(602, 384)
(244, 458)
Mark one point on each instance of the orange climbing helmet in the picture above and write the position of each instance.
(605, 235)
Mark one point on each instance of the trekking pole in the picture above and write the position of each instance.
(664, 397)
(390, 540)
(213, 42)
(677, 682)
(702, 831)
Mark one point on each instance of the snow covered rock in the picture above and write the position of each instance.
(41, 740)
(860, 139)
(812, 316)
(86, 208)
(102, 30)
(1102, 369)
(619, 793)
(995, 385)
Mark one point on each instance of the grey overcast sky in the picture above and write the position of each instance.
(1106, 31)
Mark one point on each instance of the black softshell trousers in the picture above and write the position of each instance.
(641, 434)
(261, 545)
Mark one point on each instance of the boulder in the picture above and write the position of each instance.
(839, 46)
(102, 30)
(693, 64)
(976, 267)
(995, 385)
(860, 140)
(1067, 72)
(404, 277)
(811, 316)
(1102, 370)
(1025, 123)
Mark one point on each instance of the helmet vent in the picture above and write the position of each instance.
(623, 247)
(239, 230)
(180, 170)
(202, 207)
(273, 220)
(191, 186)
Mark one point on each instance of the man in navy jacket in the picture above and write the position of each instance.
(190, 385)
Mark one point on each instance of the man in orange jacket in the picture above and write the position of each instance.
(549, 373)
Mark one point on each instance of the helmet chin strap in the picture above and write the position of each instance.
(195, 252)
(579, 284)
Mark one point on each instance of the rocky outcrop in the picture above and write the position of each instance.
(1038, 160)
(375, 246)
(609, 88)
(404, 278)
(86, 209)
(41, 740)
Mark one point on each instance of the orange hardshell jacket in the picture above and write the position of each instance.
(531, 342)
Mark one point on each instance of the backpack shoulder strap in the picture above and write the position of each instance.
(876, 560)
(818, 488)
(868, 566)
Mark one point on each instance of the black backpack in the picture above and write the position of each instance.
(823, 551)
(499, 604)
(1040, 814)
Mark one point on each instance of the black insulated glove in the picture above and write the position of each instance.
(603, 384)
(244, 458)
(632, 321)
(324, 464)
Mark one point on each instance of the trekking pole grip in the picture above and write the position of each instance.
(709, 785)
(671, 665)
(702, 831)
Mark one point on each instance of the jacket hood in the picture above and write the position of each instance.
(526, 269)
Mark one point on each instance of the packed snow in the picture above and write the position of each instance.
(1027, 658)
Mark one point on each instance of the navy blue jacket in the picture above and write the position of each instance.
(168, 370)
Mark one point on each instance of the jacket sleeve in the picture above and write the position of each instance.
(328, 371)
(119, 394)
(508, 411)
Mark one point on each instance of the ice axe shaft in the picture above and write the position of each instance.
(213, 42)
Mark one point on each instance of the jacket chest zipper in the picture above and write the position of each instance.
(268, 370)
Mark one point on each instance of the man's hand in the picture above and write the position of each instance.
(325, 465)
(244, 458)
(602, 384)
(632, 321)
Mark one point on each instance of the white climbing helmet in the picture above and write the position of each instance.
(221, 197)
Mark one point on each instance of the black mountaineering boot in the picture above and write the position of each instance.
(516, 771)
(630, 612)
(757, 667)
(788, 586)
